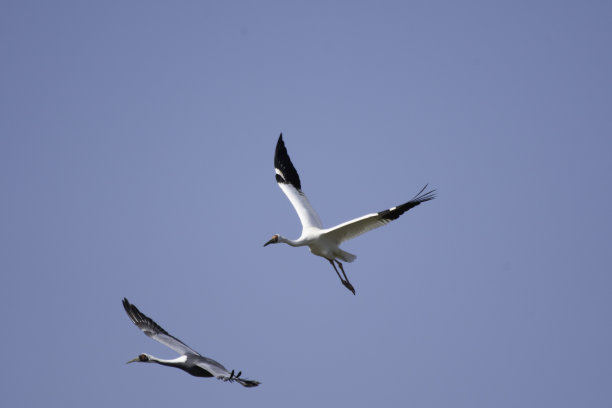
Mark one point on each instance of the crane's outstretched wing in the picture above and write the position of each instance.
(358, 226)
(289, 181)
(153, 330)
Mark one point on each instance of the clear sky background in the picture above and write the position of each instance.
(136, 160)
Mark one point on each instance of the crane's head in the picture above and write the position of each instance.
(143, 358)
(274, 240)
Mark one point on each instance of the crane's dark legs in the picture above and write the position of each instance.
(233, 376)
(337, 273)
(344, 281)
(342, 269)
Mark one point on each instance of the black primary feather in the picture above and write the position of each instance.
(394, 213)
(282, 162)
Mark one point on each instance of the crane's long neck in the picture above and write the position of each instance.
(291, 242)
(177, 362)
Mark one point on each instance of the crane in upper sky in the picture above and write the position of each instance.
(325, 242)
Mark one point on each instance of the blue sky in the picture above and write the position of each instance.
(136, 160)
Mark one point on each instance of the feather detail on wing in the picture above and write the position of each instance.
(308, 216)
(155, 331)
(213, 367)
(361, 225)
(289, 181)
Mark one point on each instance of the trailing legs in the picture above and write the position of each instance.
(344, 281)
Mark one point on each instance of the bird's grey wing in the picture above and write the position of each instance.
(213, 367)
(361, 225)
(289, 181)
(155, 331)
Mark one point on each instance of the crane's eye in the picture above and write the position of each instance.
(143, 357)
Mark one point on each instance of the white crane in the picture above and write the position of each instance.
(325, 242)
(190, 360)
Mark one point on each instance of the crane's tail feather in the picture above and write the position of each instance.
(345, 256)
(242, 381)
(248, 383)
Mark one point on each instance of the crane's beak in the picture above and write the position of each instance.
(269, 242)
(133, 360)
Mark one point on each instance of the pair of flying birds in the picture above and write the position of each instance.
(324, 242)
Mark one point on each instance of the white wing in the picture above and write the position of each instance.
(289, 181)
(361, 225)
(155, 331)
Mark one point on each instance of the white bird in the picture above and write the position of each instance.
(190, 360)
(325, 242)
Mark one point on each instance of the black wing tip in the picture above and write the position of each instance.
(127, 305)
(395, 212)
(131, 310)
(282, 162)
(138, 317)
(423, 197)
(280, 146)
(280, 143)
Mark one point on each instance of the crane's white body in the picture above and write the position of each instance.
(325, 242)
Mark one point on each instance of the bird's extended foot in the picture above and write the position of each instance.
(232, 376)
(344, 281)
(348, 285)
